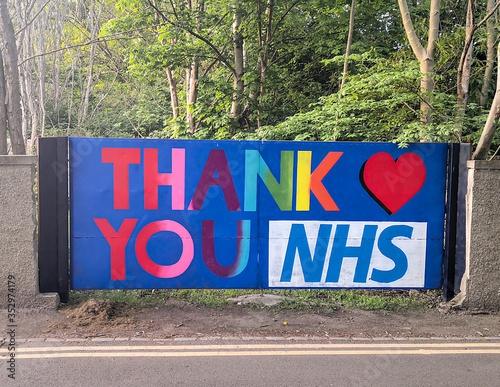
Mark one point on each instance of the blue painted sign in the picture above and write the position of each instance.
(248, 214)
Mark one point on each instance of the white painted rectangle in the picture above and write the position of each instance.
(414, 249)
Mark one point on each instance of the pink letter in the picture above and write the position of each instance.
(167, 271)
(152, 179)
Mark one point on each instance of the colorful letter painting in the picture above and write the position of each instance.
(149, 214)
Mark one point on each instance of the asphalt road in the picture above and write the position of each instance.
(249, 363)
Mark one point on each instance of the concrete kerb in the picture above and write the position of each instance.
(261, 339)
(18, 237)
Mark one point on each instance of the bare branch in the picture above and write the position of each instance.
(283, 16)
(469, 39)
(488, 15)
(101, 39)
(34, 18)
(409, 107)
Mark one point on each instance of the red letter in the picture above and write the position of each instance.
(117, 241)
(121, 158)
(152, 179)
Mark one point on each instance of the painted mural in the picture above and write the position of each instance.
(248, 214)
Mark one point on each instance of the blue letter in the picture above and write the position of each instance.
(393, 252)
(311, 268)
(362, 252)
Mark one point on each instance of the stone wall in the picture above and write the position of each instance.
(18, 236)
(480, 287)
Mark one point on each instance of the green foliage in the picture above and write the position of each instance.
(379, 103)
(297, 97)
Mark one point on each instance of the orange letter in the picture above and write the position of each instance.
(311, 182)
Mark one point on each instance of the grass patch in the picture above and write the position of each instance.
(389, 300)
(312, 300)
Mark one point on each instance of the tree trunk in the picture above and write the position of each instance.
(94, 33)
(30, 103)
(192, 95)
(26, 80)
(484, 144)
(464, 68)
(192, 74)
(57, 59)
(238, 85)
(174, 98)
(42, 62)
(425, 56)
(13, 89)
(70, 97)
(28, 90)
(264, 43)
(349, 44)
(426, 88)
(22, 14)
(490, 55)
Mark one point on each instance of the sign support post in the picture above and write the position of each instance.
(53, 216)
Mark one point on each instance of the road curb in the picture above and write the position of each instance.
(302, 339)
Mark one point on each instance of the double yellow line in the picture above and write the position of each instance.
(347, 349)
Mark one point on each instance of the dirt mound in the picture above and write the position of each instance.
(97, 315)
(95, 311)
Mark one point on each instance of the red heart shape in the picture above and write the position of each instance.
(393, 183)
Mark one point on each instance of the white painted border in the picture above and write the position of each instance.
(414, 248)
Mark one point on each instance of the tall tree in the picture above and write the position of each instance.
(464, 68)
(239, 65)
(490, 55)
(195, 7)
(424, 55)
(93, 22)
(465, 64)
(349, 44)
(486, 139)
(12, 85)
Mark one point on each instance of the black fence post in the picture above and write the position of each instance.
(451, 222)
(454, 258)
(53, 216)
